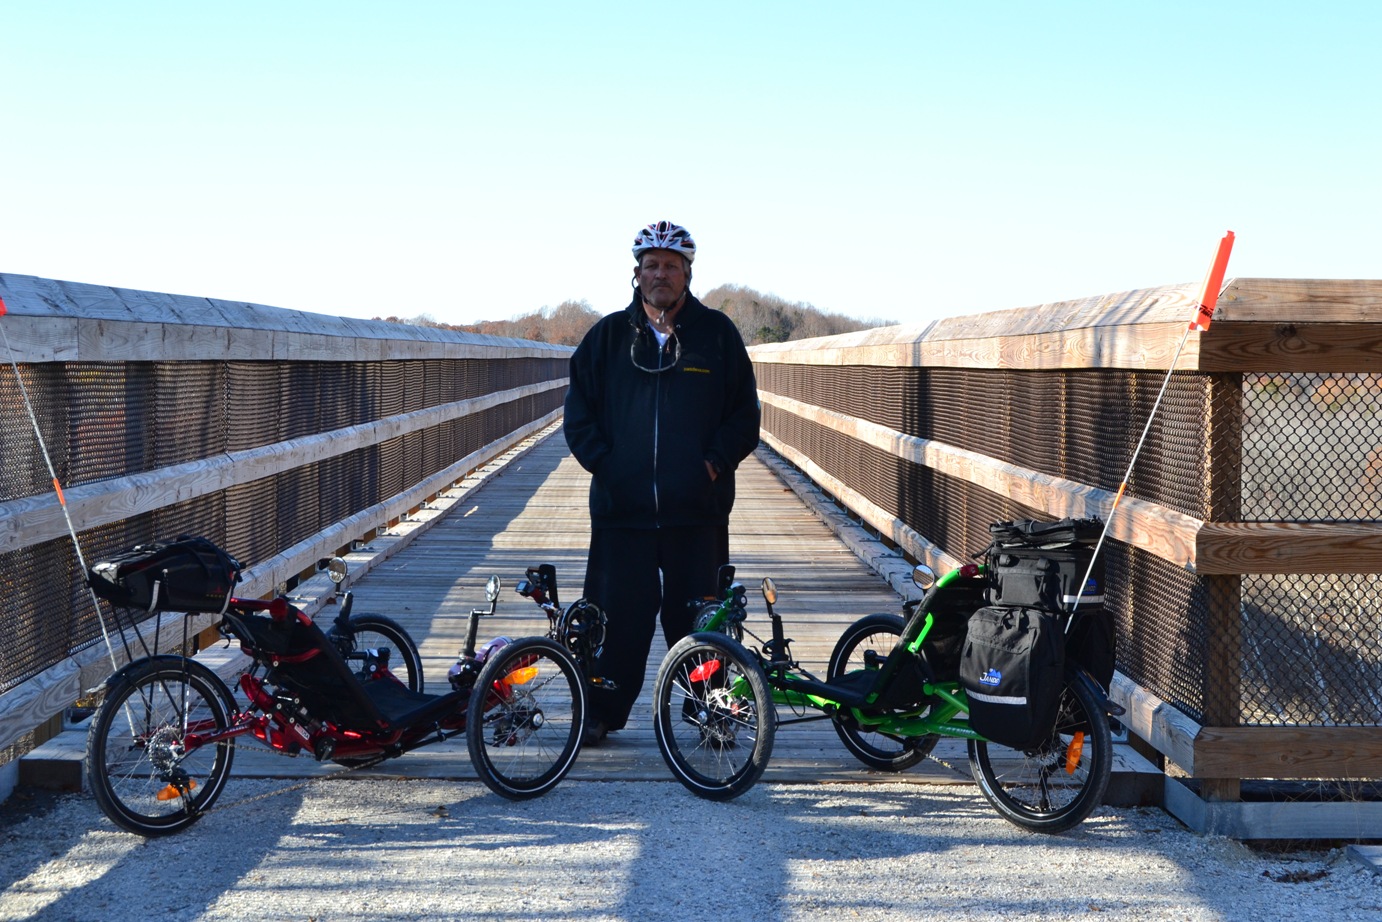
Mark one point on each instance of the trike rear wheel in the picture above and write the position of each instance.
(144, 767)
(524, 721)
(1054, 787)
(876, 634)
(713, 715)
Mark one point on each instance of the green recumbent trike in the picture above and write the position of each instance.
(895, 686)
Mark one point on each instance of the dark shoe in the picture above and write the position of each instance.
(594, 732)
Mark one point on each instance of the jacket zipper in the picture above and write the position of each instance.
(657, 418)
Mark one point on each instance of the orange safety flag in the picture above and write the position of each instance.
(1209, 291)
(2, 307)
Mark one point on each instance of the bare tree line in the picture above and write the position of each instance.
(769, 319)
(760, 318)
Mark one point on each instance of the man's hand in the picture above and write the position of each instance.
(710, 469)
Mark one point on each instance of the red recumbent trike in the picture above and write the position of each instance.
(160, 746)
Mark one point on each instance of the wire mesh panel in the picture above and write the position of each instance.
(188, 420)
(38, 629)
(1312, 452)
(23, 471)
(300, 400)
(112, 419)
(252, 520)
(297, 508)
(252, 402)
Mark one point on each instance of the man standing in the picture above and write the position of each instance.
(661, 409)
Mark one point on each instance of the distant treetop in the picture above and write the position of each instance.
(760, 318)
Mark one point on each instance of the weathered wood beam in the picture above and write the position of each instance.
(1288, 547)
(1288, 752)
(1261, 325)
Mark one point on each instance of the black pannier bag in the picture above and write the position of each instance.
(189, 574)
(1041, 564)
(1012, 671)
(1091, 645)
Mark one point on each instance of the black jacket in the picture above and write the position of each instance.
(645, 436)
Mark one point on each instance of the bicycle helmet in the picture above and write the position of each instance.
(664, 235)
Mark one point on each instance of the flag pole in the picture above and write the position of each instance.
(1204, 313)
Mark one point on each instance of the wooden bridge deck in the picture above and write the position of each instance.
(533, 511)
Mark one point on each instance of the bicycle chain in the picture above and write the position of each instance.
(939, 761)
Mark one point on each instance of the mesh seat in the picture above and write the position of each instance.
(303, 661)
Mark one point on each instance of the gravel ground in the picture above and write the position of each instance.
(380, 849)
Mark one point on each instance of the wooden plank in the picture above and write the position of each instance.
(50, 319)
(1170, 731)
(1143, 347)
(1292, 346)
(1300, 301)
(1289, 547)
(1288, 752)
(1306, 325)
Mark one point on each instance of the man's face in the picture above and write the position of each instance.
(661, 277)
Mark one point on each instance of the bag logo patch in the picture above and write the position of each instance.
(991, 678)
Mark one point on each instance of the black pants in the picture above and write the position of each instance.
(633, 574)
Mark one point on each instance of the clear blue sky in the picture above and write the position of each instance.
(479, 160)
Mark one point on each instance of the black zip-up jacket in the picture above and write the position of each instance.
(646, 436)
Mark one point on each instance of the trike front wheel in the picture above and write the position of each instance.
(1053, 787)
(146, 763)
(865, 644)
(524, 721)
(713, 715)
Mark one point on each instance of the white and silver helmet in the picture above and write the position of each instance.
(664, 235)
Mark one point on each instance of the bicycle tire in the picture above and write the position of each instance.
(136, 767)
(405, 662)
(877, 750)
(523, 728)
(1053, 788)
(713, 715)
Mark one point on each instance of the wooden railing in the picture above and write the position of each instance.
(281, 435)
(1242, 562)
